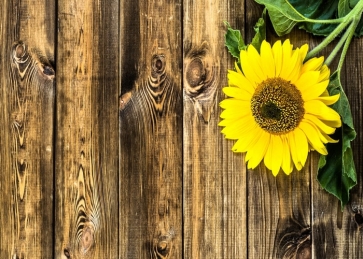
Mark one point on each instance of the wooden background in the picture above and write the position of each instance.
(109, 144)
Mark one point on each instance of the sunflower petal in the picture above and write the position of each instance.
(324, 73)
(267, 59)
(291, 68)
(235, 104)
(237, 92)
(286, 158)
(315, 91)
(239, 128)
(255, 62)
(307, 80)
(313, 64)
(257, 152)
(321, 125)
(320, 110)
(302, 147)
(234, 114)
(294, 150)
(312, 135)
(244, 144)
(277, 151)
(277, 52)
(303, 52)
(247, 68)
(239, 80)
(329, 100)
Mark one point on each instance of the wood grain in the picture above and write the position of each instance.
(27, 107)
(214, 177)
(87, 130)
(151, 130)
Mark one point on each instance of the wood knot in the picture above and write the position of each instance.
(201, 77)
(295, 244)
(201, 72)
(158, 64)
(19, 50)
(87, 240)
(20, 53)
(195, 72)
(162, 247)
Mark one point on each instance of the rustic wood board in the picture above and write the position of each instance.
(86, 189)
(151, 130)
(27, 111)
(86, 174)
(214, 177)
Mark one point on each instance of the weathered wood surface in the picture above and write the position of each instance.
(89, 174)
(151, 130)
(86, 187)
(214, 178)
(27, 124)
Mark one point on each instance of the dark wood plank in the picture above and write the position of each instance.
(87, 130)
(27, 110)
(214, 177)
(151, 130)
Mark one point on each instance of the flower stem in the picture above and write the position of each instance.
(337, 48)
(351, 30)
(352, 15)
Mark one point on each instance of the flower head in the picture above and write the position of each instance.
(278, 106)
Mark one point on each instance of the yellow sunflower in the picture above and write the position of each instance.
(278, 106)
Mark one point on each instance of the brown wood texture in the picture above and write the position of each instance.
(27, 111)
(86, 188)
(110, 145)
(214, 177)
(151, 130)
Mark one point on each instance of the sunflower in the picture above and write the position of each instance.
(278, 106)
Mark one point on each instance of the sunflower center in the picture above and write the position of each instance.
(277, 106)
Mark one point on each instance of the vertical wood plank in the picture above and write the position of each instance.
(336, 233)
(278, 208)
(151, 130)
(26, 139)
(214, 177)
(87, 130)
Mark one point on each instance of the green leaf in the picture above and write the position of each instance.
(285, 14)
(337, 173)
(234, 41)
(282, 14)
(260, 29)
(343, 7)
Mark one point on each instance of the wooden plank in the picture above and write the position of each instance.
(151, 130)
(336, 233)
(87, 130)
(26, 139)
(278, 208)
(214, 177)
